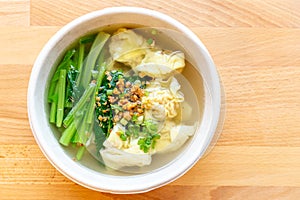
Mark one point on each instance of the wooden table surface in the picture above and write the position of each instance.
(256, 47)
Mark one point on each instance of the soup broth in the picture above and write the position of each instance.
(190, 110)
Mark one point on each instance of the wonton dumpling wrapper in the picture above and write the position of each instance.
(178, 135)
(118, 153)
(161, 64)
(156, 113)
(128, 47)
(116, 158)
(114, 139)
(165, 138)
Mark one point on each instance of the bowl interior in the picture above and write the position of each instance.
(89, 172)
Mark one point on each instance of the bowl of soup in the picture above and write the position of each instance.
(124, 100)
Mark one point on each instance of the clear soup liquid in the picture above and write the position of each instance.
(192, 88)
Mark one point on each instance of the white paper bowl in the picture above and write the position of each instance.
(93, 175)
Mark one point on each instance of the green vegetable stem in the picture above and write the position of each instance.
(97, 46)
(84, 98)
(72, 92)
(80, 152)
(65, 64)
(67, 135)
(53, 106)
(61, 97)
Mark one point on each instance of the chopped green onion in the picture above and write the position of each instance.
(153, 31)
(140, 119)
(80, 62)
(123, 136)
(150, 41)
(134, 118)
(109, 92)
(134, 130)
(116, 107)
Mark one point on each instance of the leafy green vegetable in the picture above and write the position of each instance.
(100, 136)
(116, 107)
(80, 152)
(109, 92)
(81, 56)
(53, 108)
(71, 93)
(75, 139)
(65, 64)
(134, 124)
(67, 135)
(104, 109)
(101, 74)
(85, 76)
(61, 97)
(87, 39)
(85, 97)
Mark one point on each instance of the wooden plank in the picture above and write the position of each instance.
(255, 45)
(228, 46)
(166, 192)
(14, 12)
(14, 126)
(24, 43)
(252, 46)
(246, 166)
(207, 13)
(224, 166)
(262, 106)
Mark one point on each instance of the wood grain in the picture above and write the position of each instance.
(24, 43)
(167, 192)
(262, 105)
(252, 46)
(228, 46)
(255, 45)
(14, 12)
(13, 107)
(224, 166)
(207, 13)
